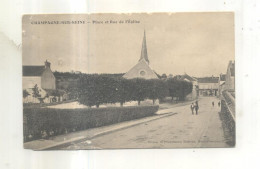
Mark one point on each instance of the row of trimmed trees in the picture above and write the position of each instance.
(179, 88)
(94, 90)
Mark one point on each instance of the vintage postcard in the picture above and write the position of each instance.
(120, 81)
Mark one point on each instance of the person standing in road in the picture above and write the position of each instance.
(213, 104)
(196, 107)
(192, 108)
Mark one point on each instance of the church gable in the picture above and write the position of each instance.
(141, 70)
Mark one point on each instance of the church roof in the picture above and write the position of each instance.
(144, 54)
(33, 70)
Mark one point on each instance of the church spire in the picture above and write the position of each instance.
(144, 54)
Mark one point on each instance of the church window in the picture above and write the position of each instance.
(142, 73)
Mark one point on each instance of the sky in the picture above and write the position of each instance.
(199, 44)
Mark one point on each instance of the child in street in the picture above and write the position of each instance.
(192, 108)
(196, 107)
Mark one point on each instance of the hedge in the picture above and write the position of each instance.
(45, 122)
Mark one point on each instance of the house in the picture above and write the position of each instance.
(208, 86)
(230, 76)
(142, 68)
(195, 92)
(41, 76)
(40, 79)
(222, 82)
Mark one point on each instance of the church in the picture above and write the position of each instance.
(142, 68)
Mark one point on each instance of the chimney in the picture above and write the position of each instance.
(47, 64)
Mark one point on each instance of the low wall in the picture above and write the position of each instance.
(45, 122)
(231, 102)
(228, 123)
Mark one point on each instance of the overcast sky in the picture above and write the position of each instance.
(200, 44)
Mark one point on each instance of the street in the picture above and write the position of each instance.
(182, 130)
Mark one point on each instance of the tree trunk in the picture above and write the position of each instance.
(153, 101)
(139, 102)
(97, 105)
(121, 104)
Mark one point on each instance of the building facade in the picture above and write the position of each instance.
(195, 88)
(222, 82)
(230, 76)
(208, 86)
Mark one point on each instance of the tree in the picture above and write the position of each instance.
(170, 76)
(164, 76)
(163, 90)
(179, 88)
(139, 89)
(172, 86)
(158, 89)
(88, 91)
(25, 93)
(123, 88)
(186, 88)
(36, 93)
(97, 89)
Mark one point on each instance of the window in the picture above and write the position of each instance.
(142, 73)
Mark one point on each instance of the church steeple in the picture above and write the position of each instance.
(144, 54)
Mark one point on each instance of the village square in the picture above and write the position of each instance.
(171, 125)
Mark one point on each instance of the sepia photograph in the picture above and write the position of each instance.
(128, 81)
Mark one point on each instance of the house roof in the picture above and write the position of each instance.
(222, 77)
(208, 80)
(185, 76)
(33, 70)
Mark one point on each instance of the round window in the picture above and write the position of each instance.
(142, 73)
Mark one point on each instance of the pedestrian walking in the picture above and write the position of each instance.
(196, 107)
(192, 108)
(219, 104)
(213, 104)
